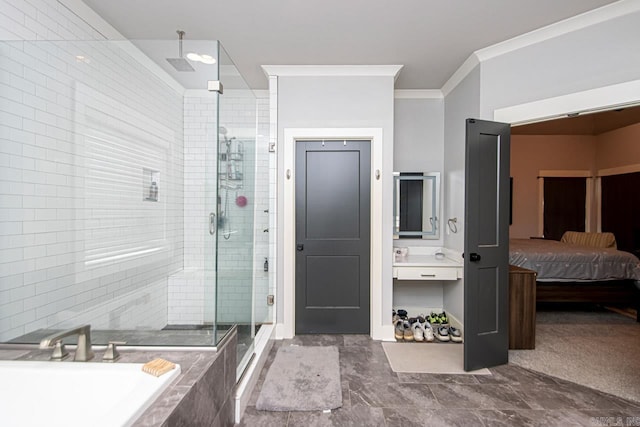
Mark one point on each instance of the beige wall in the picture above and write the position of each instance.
(532, 153)
(620, 147)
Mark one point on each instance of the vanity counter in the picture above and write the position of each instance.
(425, 261)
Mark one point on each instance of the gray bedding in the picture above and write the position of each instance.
(556, 261)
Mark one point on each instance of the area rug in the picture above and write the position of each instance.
(427, 358)
(302, 379)
(597, 349)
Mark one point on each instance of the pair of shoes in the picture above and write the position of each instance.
(403, 330)
(448, 333)
(438, 318)
(422, 330)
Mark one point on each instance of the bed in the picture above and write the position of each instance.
(569, 272)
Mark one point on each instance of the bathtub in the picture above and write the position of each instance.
(76, 394)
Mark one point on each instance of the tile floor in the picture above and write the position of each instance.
(373, 395)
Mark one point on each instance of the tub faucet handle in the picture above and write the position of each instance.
(112, 354)
(59, 351)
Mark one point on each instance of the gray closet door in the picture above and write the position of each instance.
(486, 245)
(332, 237)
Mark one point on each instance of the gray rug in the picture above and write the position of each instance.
(302, 379)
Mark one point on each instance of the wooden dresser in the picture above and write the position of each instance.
(522, 308)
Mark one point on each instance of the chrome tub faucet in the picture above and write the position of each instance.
(84, 352)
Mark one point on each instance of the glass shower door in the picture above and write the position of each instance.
(235, 207)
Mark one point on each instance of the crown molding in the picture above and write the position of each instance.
(418, 94)
(462, 72)
(574, 23)
(332, 70)
(566, 26)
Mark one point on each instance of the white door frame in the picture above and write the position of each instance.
(588, 101)
(291, 135)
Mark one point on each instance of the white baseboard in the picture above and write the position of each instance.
(387, 334)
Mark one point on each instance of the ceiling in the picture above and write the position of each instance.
(431, 38)
(587, 124)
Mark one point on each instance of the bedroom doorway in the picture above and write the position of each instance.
(564, 160)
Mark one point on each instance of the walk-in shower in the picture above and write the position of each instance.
(129, 195)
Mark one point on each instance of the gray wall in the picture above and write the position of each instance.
(341, 102)
(596, 56)
(461, 103)
(418, 145)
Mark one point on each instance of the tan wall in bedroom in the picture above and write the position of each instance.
(532, 153)
(620, 147)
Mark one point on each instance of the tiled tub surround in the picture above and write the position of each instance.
(201, 395)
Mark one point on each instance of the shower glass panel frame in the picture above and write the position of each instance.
(109, 177)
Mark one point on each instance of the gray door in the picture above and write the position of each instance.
(332, 236)
(486, 245)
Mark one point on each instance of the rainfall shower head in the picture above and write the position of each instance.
(180, 64)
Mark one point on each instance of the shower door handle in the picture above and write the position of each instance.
(212, 223)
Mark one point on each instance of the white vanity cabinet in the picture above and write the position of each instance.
(420, 280)
(426, 267)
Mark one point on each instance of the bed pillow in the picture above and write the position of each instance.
(598, 240)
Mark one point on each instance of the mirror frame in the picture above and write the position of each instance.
(434, 178)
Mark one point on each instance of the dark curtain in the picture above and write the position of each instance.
(621, 209)
(564, 206)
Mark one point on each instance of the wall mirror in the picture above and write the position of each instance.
(416, 197)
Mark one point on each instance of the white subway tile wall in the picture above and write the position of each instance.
(192, 291)
(83, 127)
(80, 122)
(236, 262)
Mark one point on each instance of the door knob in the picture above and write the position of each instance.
(474, 257)
(299, 248)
